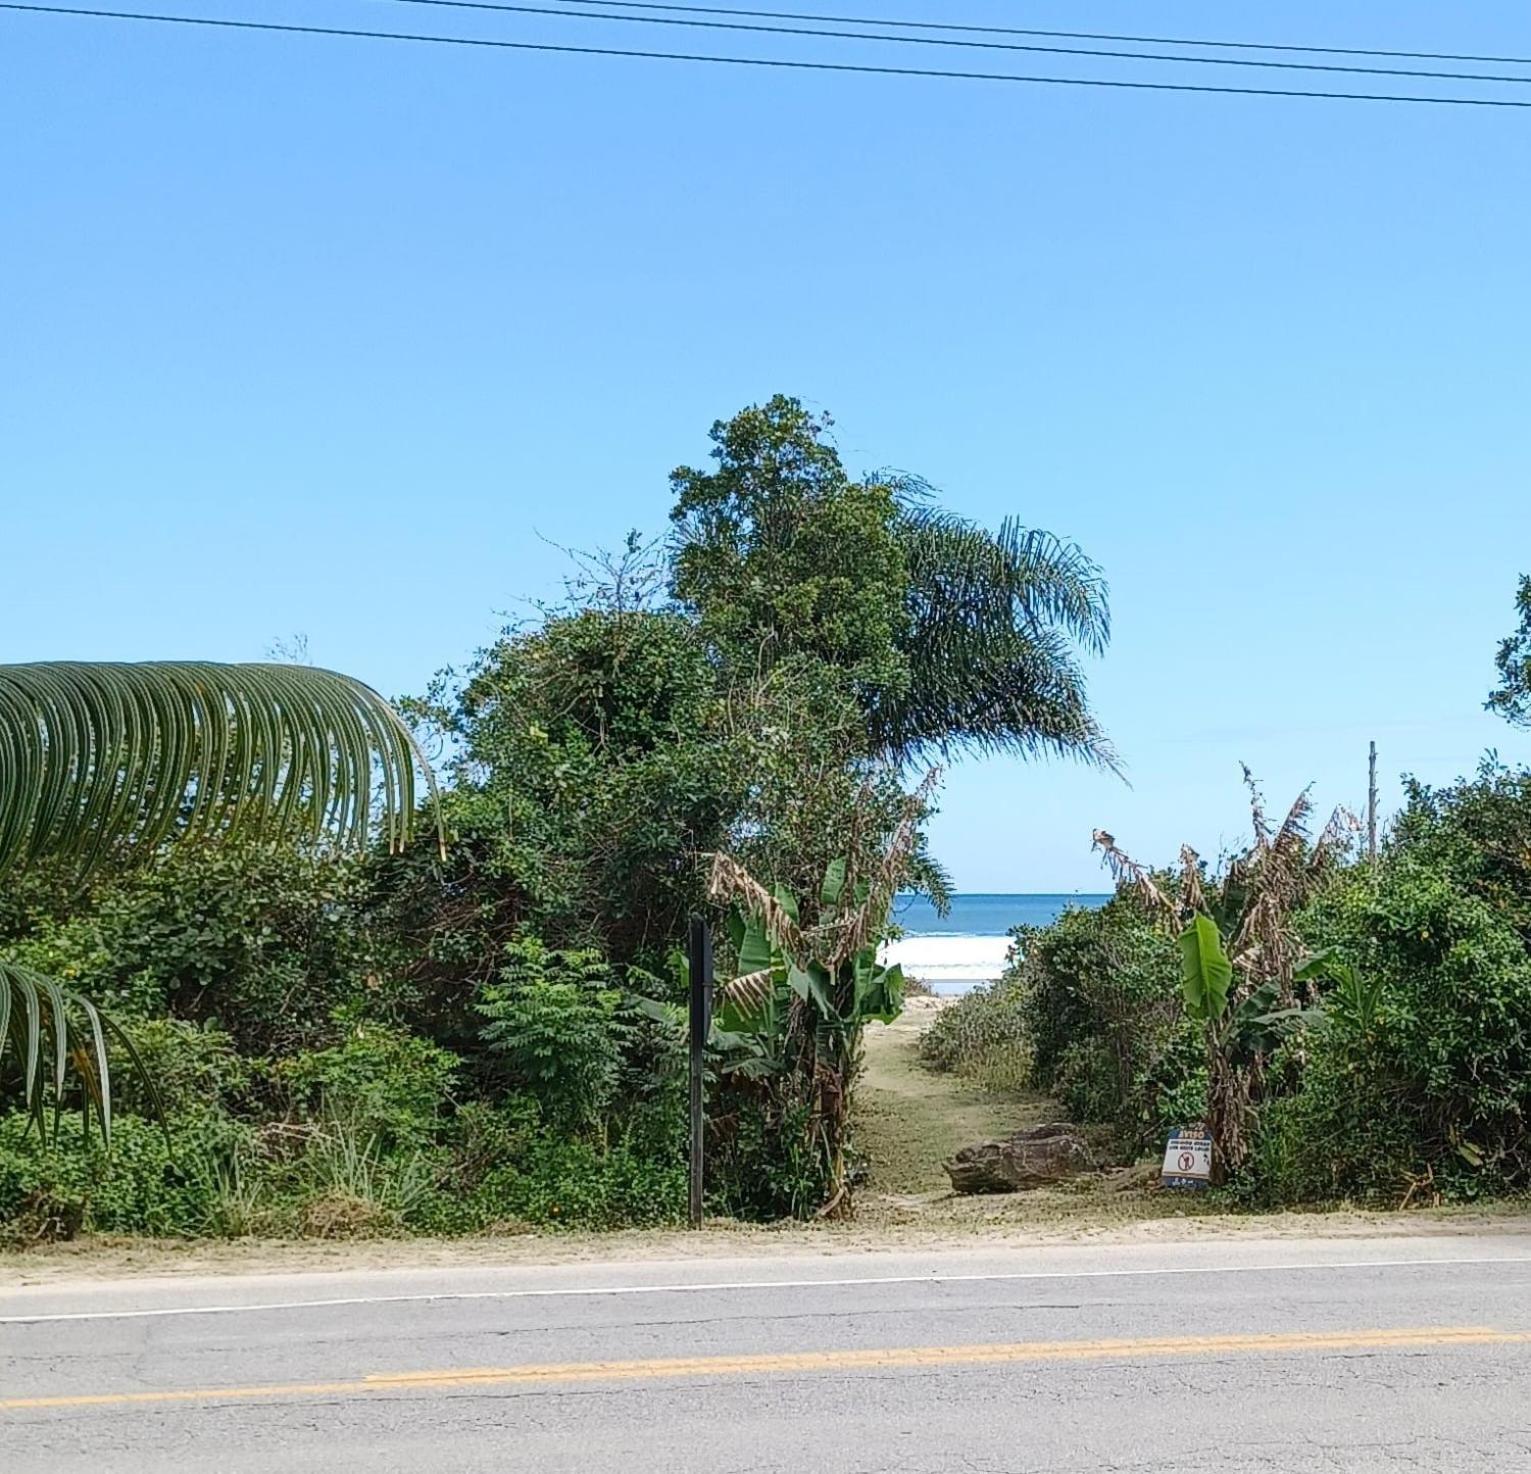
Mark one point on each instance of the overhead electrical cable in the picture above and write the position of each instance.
(763, 62)
(503, 7)
(972, 29)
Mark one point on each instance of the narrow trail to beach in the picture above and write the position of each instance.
(911, 1119)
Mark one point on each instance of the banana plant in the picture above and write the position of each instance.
(1257, 1022)
(1353, 997)
(842, 993)
(1240, 951)
(803, 991)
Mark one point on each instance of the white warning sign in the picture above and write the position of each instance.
(1188, 1158)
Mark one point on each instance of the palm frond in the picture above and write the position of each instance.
(55, 1033)
(1017, 573)
(996, 623)
(96, 758)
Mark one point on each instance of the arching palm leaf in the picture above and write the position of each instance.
(98, 757)
(996, 620)
(41, 1021)
(101, 760)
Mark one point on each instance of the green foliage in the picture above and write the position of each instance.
(51, 1033)
(1206, 974)
(789, 1025)
(764, 1161)
(978, 1031)
(594, 764)
(55, 1187)
(265, 941)
(996, 622)
(378, 1084)
(192, 1067)
(1091, 1011)
(1414, 1083)
(578, 1184)
(557, 1020)
(781, 553)
(101, 760)
(1424, 1076)
(1512, 698)
(1352, 999)
(948, 636)
(103, 763)
(351, 1185)
(1477, 831)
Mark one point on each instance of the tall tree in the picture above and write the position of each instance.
(953, 637)
(781, 554)
(1512, 698)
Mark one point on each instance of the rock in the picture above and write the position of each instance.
(1035, 1157)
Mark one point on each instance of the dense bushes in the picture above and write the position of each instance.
(1432, 1095)
(485, 1035)
(1089, 1010)
(332, 1111)
(263, 940)
(1411, 1082)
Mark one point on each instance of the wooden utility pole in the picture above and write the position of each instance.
(1371, 806)
(699, 960)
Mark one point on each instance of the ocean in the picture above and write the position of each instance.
(969, 945)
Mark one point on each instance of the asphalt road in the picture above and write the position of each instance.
(1410, 1354)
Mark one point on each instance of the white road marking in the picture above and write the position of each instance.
(735, 1286)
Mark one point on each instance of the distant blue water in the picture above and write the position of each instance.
(980, 915)
(970, 945)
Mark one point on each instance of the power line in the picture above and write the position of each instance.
(499, 6)
(932, 25)
(780, 63)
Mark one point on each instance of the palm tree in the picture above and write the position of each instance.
(955, 637)
(994, 624)
(103, 762)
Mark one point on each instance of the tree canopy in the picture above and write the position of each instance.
(951, 636)
(1512, 697)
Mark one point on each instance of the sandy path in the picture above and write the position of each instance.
(910, 1119)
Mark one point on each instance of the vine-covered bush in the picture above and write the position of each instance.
(1090, 1011)
(1430, 1095)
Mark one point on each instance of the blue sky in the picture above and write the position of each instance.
(303, 335)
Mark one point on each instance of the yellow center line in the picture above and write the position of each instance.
(870, 1359)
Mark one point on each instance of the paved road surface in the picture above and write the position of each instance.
(1409, 1354)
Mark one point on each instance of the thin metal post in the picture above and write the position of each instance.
(699, 958)
(1371, 806)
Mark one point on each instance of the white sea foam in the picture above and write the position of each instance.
(949, 964)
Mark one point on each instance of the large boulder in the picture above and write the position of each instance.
(1035, 1157)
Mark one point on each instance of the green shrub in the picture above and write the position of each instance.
(761, 1161)
(979, 1029)
(555, 1018)
(194, 1067)
(1344, 1135)
(379, 1082)
(73, 1183)
(1090, 1011)
(1431, 1096)
(263, 940)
